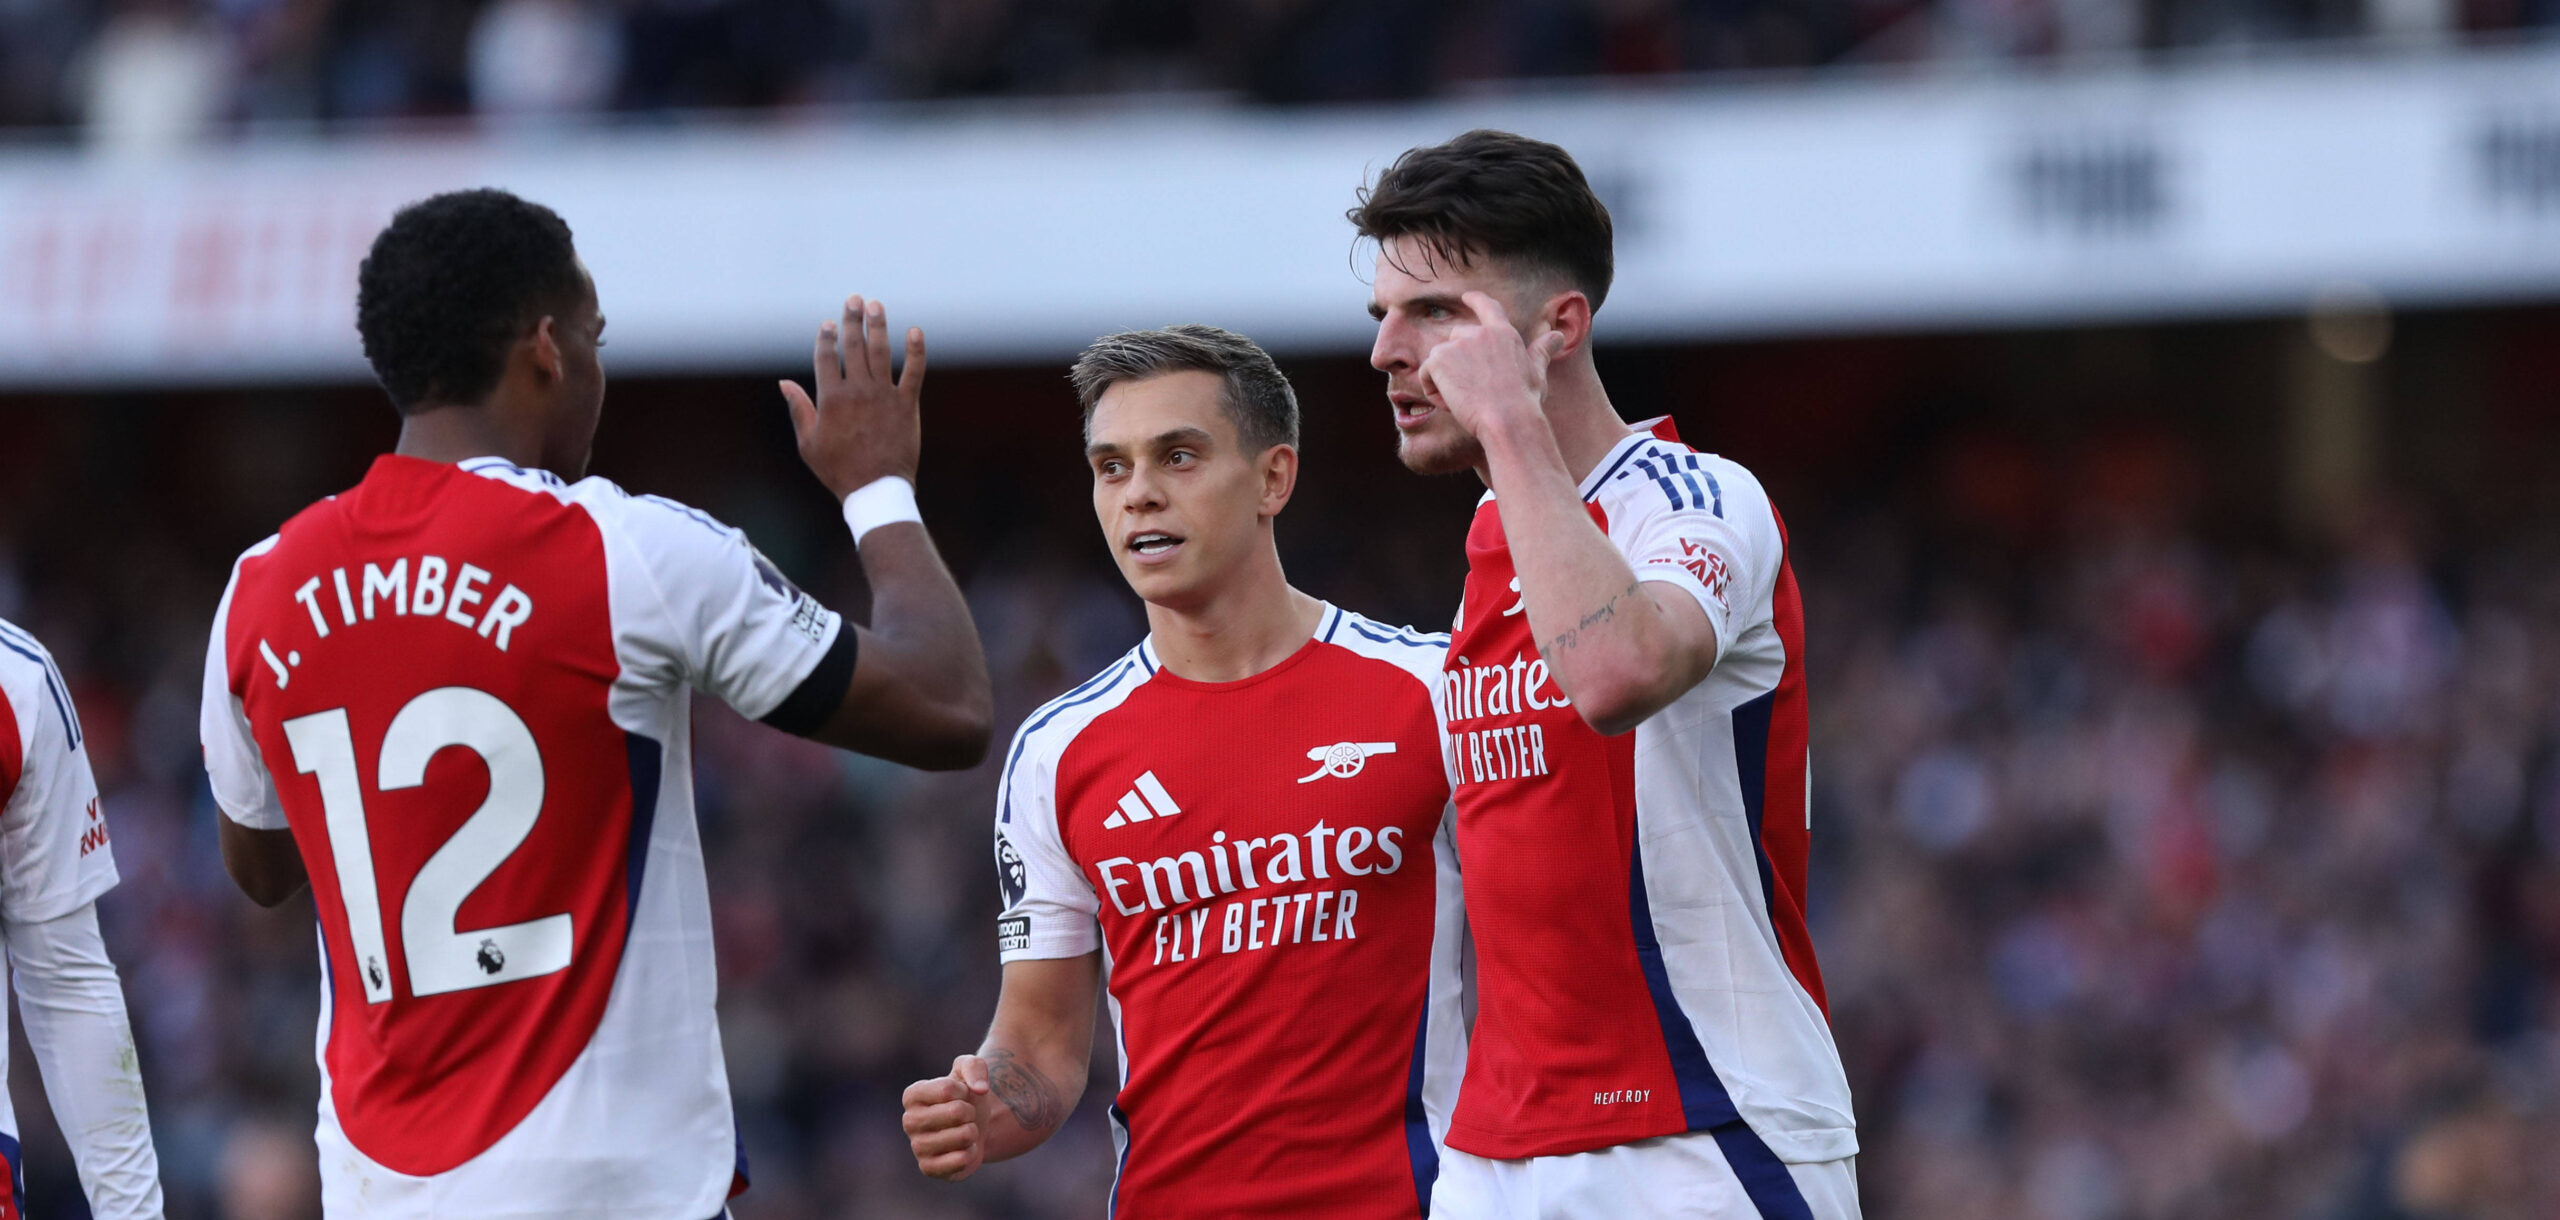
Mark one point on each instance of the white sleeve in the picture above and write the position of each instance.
(74, 1012)
(242, 788)
(54, 856)
(1685, 528)
(717, 614)
(1050, 910)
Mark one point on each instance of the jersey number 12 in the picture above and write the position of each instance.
(440, 958)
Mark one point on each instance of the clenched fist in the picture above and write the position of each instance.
(946, 1120)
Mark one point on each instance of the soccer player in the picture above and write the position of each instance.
(54, 863)
(456, 699)
(1237, 829)
(1627, 708)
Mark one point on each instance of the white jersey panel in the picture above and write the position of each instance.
(54, 857)
(1704, 524)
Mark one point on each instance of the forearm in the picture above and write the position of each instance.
(917, 608)
(931, 706)
(73, 1007)
(1605, 642)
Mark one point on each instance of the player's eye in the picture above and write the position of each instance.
(1179, 457)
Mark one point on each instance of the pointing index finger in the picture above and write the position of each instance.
(1487, 308)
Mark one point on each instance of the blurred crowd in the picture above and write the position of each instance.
(2164, 871)
(154, 72)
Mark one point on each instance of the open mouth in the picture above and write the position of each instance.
(1411, 409)
(1153, 544)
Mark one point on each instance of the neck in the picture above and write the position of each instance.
(1586, 425)
(1246, 627)
(458, 433)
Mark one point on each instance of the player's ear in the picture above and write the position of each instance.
(546, 348)
(1567, 313)
(1278, 467)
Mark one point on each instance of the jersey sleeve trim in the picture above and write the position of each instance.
(1680, 579)
(242, 788)
(812, 703)
(16, 640)
(1050, 908)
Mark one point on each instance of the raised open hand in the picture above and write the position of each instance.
(863, 424)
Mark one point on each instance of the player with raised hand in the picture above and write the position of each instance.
(1237, 830)
(456, 699)
(54, 864)
(1627, 708)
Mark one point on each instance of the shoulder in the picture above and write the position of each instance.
(25, 665)
(1053, 726)
(1656, 476)
(30, 683)
(1418, 653)
(654, 521)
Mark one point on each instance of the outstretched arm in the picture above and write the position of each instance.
(918, 693)
(1023, 1082)
(1620, 648)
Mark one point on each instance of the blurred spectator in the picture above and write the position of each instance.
(544, 57)
(155, 79)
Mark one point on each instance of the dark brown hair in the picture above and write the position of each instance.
(1257, 396)
(1494, 195)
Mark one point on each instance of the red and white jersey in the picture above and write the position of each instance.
(54, 857)
(1266, 869)
(466, 691)
(1638, 900)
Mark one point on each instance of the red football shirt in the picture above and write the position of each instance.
(466, 690)
(1265, 867)
(1638, 901)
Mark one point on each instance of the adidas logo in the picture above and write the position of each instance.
(1144, 802)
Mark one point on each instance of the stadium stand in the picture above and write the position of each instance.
(212, 63)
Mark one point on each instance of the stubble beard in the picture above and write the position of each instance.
(1440, 451)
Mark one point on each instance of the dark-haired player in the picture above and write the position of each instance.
(1651, 1038)
(1237, 830)
(456, 697)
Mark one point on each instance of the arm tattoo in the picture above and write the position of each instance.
(1030, 1095)
(1571, 636)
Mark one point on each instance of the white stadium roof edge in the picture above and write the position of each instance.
(1018, 232)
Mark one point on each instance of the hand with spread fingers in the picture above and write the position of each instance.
(863, 424)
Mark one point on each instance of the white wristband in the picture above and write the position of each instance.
(880, 502)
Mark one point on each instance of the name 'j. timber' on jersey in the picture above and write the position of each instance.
(1637, 901)
(1266, 868)
(466, 690)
